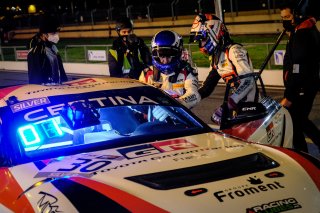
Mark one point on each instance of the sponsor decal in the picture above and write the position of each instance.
(155, 148)
(190, 98)
(48, 203)
(270, 131)
(85, 165)
(243, 86)
(76, 85)
(54, 110)
(277, 118)
(82, 82)
(88, 165)
(62, 175)
(177, 156)
(103, 156)
(278, 57)
(29, 104)
(97, 55)
(239, 53)
(139, 151)
(125, 165)
(256, 186)
(276, 206)
(22, 54)
(245, 109)
(178, 86)
(173, 145)
(195, 192)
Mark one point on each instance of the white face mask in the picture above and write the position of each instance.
(54, 38)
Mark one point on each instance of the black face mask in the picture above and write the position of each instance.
(124, 38)
(287, 25)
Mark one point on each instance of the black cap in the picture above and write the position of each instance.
(124, 23)
(49, 24)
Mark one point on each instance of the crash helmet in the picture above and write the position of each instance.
(210, 32)
(168, 44)
(123, 23)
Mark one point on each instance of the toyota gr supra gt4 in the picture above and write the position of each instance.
(117, 145)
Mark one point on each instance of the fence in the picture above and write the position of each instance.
(98, 54)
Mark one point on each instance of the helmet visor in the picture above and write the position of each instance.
(198, 36)
(165, 52)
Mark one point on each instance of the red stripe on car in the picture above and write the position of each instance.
(5, 91)
(10, 191)
(309, 167)
(245, 130)
(130, 202)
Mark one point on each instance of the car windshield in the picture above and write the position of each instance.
(75, 127)
(82, 126)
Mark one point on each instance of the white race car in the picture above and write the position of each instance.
(117, 145)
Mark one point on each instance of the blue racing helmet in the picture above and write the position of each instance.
(168, 44)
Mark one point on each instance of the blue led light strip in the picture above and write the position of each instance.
(26, 132)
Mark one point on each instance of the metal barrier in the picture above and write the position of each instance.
(79, 53)
(9, 53)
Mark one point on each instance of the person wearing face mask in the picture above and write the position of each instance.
(129, 55)
(301, 73)
(229, 61)
(44, 61)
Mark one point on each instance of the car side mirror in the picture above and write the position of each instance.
(245, 112)
(248, 111)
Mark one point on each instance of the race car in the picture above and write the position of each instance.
(117, 145)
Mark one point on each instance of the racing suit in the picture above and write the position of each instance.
(181, 84)
(127, 59)
(301, 80)
(230, 64)
(44, 63)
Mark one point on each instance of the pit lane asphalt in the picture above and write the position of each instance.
(203, 110)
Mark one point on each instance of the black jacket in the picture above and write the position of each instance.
(137, 54)
(44, 63)
(301, 60)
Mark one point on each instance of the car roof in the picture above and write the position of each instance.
(30, 91)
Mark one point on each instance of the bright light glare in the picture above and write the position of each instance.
(29, 135)
(51, 128)
(47, 146)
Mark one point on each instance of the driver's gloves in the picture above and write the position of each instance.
(160, 113)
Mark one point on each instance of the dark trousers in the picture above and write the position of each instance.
(299, 111)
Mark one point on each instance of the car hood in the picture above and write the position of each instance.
(196, 173)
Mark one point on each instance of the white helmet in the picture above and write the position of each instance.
(210, 32)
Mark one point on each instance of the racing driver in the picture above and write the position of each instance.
(229, 61)
(170, 71)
